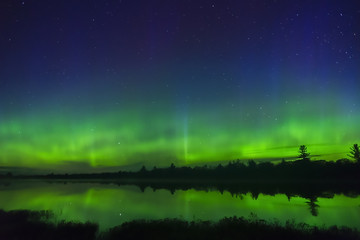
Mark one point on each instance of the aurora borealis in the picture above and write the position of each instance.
(86, 84)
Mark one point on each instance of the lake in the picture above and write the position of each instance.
(110, 204)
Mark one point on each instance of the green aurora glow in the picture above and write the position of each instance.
(116, 139)
(89, 91)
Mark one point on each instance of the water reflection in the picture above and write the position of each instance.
(110, 204)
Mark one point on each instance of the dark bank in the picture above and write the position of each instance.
(18, 225)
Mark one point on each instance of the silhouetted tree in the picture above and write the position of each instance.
(143, 170)
(355, 153)
(172, 166)
(252, 164)
(219, 167)
(304, 155)
(313, 206)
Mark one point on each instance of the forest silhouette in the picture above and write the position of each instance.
(302, 169)
(303, 178)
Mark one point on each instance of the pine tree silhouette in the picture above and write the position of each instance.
(304, 155)
(355, 153)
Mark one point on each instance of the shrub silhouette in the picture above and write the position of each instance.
(226, 228)
(23, 224)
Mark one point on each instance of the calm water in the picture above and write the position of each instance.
(110, 205)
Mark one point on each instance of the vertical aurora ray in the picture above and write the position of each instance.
(95, 141)
(185, 138)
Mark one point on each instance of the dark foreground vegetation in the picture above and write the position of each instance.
(36, 225)
(341, 170)
(298, 170)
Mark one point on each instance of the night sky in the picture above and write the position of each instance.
(103, 83)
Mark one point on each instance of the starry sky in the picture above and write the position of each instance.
(96, 84)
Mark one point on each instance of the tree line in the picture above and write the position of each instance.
(301, 169)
